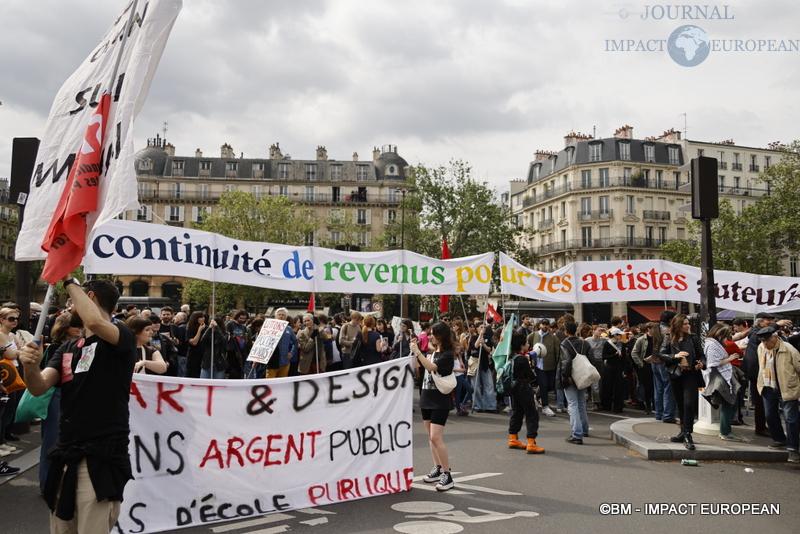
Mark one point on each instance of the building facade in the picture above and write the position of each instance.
(8, 231)
(617, 198)
(177, 190)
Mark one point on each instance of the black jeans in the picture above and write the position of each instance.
(523, 404)
(685, 389)
(613, 392)
(645, 375)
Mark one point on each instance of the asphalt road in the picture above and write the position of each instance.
(497, 489)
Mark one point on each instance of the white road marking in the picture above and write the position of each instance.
(487, 490)
(274, 518)
(273, 530)
(422, 507)
(317, 521)
(428, 527)
(315, 511)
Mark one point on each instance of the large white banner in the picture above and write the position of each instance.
(610, 281)
(128, 247)
(205, 451)
(72, 108)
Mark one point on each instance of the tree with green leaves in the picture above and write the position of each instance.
(447, 202)
(242, 216)
(758, 239)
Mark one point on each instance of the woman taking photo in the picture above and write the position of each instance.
(401, 346)
(194, 353)
(435, 405)
(388, 335)
(717, 356)
(148, 359)
(683, 356)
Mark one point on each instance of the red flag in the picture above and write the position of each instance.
(491, 312)
(65, 240)
(312, 303)
(445, 302)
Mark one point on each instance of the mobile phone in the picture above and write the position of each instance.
(3, 399)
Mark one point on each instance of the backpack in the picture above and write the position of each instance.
(357, 351)
(506, 383)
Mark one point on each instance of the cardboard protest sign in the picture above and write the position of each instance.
(267, 340)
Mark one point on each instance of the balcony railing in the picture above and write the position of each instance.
(655, 215)
(736, 166)
(754, 168)
(546, 223)
(603, 242)
(722, 164)
(744, 191)
(296, 196)
(583, 185)
(596, 215)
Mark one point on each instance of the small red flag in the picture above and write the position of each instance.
(312, 303)
(491, 312)
(445, 301)
(65, 240)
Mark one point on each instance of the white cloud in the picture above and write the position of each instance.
(486, 82)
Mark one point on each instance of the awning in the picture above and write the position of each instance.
(652, 313)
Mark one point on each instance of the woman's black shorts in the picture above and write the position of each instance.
(436, 417)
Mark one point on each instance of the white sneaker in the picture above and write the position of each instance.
(7, 447)
(4, 453)
(507, 409)
(560, 410)
(548, 411)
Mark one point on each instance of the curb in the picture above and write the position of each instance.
(623, 433)
(26, 462)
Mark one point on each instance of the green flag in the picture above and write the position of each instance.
(503, 349)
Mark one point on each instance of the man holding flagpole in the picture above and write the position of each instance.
(90, 459)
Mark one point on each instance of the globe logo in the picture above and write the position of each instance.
(623, 13)
(688, 46)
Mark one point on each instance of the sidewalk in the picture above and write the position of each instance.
(650, 438)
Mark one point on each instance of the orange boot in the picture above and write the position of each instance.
(514, 442)
(532, 448)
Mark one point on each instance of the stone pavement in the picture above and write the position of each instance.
(650, 438)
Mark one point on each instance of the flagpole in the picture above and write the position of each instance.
(466, 319)
(125, 33)
(213, 315)
(48, 297)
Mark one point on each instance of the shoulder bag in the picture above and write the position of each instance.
(445, 384)
(584, 374)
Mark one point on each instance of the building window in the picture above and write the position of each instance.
(202, 191)
(537, 169)
(625, 151)
(586, 236)
(230, 188)
(649, 153)
(586, 178)
(231, 169)
(362, 239)
(309, 193)
(311, 172)
(605, 206)
(283, 171)
(336, 237)
(570, 153)
(257, 192)
(659, 179)
(178, 190)
(629, 204)
(309, 239)
(595, 152)
(626, 173)
(144, 190)
(631, 257)
(336, 172)
(767, 161)
(674, 155)
(605, 257)
(392, 215)
(258, 170)
(793, 267)
(681, 233)
(283, 190)
(139, 288)
(586, 258)
(563, 209)
(552, 164)
(393, 196)
(361, 216)
(648, 234)
(177, 168)
(700, 152)
(604, 179)
(361, 172)
(141, 214)
(205, 168)
(630, 233)
(737, 180)
(175, 214)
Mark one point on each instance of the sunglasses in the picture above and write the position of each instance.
(12, 319)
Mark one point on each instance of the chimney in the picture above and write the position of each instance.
(322, 153)
(572, 138)
(169, 148)
(198, 153)
(275, 152)
(355, 156)
(625, 132)
(226, 151)
(542, 154)
(376, 153)
(670, 136)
